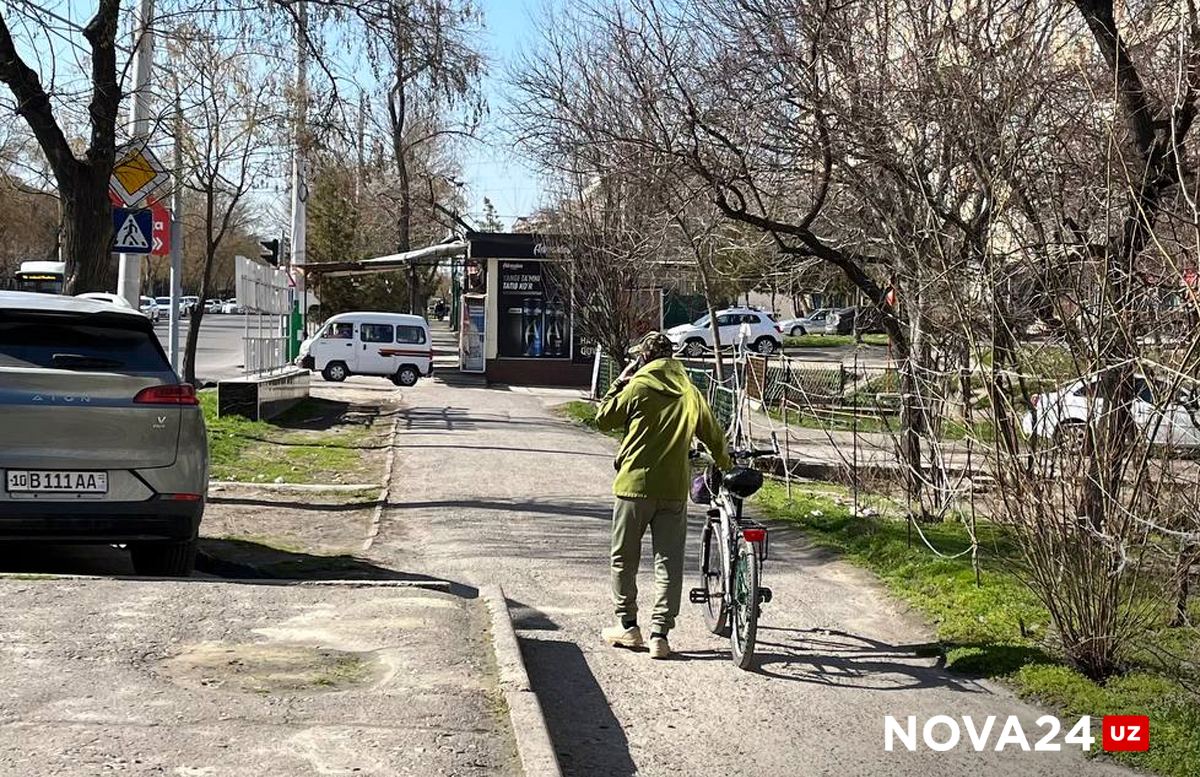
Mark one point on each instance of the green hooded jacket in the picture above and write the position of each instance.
(660, 411)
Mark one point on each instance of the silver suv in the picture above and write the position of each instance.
(99, 441)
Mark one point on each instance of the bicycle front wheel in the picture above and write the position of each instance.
(744, 605)
(712, 580)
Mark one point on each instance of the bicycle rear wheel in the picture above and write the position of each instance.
(744, 604)
(712, 580)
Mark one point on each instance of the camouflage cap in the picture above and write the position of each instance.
(653, 345)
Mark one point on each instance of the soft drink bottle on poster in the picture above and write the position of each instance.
(554, 317)
(539, 324)
(528, 328)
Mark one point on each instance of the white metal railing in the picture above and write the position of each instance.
(264, 354)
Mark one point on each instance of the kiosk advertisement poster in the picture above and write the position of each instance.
(471, 356)
(534, 315)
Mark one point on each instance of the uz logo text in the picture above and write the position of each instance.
(1126, 733)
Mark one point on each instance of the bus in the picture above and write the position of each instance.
(41, 277)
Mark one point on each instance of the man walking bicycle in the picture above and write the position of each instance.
(659, 411)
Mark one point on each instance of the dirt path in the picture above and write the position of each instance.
(489, 486)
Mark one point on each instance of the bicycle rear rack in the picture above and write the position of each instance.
(762, 547)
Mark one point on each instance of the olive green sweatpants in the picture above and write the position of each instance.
(667, 521)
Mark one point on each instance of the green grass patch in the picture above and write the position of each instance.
(999, 629)
(831, 341)
(584, 414)
(270, 452)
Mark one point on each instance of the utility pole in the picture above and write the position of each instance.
(129, 274)
(300, 162)
(176, 233)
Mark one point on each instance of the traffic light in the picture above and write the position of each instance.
(270, 252)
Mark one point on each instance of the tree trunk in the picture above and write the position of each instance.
(87, 235)
(1188, 556)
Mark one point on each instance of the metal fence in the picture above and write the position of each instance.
(264, 354)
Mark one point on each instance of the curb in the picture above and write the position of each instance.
(385, 492)
(534, 745)
(301, 487)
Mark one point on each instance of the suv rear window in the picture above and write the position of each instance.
(77, 343)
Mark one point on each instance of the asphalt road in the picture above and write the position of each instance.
(219, 352)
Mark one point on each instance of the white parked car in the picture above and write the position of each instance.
(186, 303)
(763, 335)
(1065, 414)
(103, 296)
(813, 323)
(231, 306)
(150, 309)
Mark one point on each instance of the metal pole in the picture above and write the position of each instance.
(299, 253)
(129, 275)
(176, 235)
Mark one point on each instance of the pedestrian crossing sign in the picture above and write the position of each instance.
(132, 230)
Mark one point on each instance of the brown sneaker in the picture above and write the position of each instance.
(659, 647)
(619, 636)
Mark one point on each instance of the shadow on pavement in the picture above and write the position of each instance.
(333, 507)
(245, 560)
(587, 737)
(584, 508)
(40, 558)
(837, 658)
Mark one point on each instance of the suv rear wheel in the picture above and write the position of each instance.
(765, 345)
(164, 559)
(694, 348)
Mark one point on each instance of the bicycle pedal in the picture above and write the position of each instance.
(764, 594)
(698, 596)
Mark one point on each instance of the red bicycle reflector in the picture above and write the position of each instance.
(754, 535)
(170, 394)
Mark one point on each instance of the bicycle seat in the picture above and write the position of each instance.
(743, 481)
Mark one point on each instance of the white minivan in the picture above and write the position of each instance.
(391, 345)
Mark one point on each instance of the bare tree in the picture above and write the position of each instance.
(227, 122)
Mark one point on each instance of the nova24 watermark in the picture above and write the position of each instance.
(942, 733)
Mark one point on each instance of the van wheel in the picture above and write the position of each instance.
(406, 376)
(335, 372)
(164, 559)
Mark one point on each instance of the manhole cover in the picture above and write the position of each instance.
(268, 668)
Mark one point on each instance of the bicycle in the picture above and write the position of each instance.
(732, 552)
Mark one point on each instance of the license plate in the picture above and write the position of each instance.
(56, 481)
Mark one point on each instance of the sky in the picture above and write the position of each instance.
(490, 167)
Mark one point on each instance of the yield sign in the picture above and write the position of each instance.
(132, 231)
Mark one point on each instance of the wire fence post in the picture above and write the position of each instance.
(853, 432)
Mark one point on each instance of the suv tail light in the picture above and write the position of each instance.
(170, 394)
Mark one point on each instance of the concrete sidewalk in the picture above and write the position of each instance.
(212, 679)
(490, 486)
